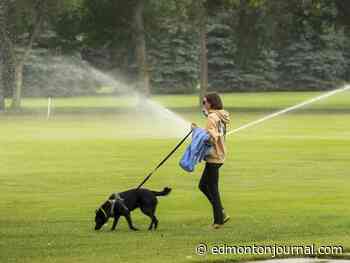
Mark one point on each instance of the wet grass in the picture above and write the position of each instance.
(251, 102)
(285, 182)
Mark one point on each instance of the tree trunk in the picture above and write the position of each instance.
(2, 79)
(19, 60)
(2, 56)
(17, 93)
(203, 57)
(2, 82)
(140, 48)
(2, 88)
(2, 101)
(247, 47)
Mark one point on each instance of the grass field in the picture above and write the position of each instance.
(285, 181)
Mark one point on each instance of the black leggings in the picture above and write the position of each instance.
(209, 185)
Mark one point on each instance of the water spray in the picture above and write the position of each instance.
(321, 97)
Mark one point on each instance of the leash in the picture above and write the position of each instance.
(164, 160)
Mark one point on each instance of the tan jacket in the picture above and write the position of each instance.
(217, 124)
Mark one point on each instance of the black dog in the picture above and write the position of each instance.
(121, 204)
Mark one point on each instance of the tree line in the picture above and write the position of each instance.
(178, 46)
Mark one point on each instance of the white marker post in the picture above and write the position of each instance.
(49, 107)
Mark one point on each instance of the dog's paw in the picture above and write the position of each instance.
(134, 229)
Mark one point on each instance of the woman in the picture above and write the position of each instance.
(217, 120)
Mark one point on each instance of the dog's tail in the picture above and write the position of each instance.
(165, 191)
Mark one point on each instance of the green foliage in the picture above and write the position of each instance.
(312, 57)
(221, 46)
(225, 70)
(106, 22)
(346, 54)
(310, 64)
(173, 56)
(23, 15)
(253, 45)
(67, 26)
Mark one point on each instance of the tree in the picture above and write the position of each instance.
(143, 80)
(2, 58)
(198, 11)
(2, 95)
(203, 17)
(17, 39)
(238, 45)
(119, 27)
(248, 33)
(173, 58)
(24, 22)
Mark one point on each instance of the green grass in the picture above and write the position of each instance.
(234, 102)
(285, 181)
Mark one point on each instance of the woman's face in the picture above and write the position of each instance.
(206, 104)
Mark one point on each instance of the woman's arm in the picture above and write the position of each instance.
(212, 128)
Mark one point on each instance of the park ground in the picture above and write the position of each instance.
(285, 181)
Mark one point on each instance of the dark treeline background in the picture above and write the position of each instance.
(252, 45)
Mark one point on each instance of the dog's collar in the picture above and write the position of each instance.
(111, 211)
(104, 212)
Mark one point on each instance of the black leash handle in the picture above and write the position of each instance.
(164, 160)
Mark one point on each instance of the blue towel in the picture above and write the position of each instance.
(197, 150)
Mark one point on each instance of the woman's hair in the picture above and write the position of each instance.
(214, 100)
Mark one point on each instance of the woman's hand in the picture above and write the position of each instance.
(193, 126)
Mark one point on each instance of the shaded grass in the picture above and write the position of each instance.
(285, 182)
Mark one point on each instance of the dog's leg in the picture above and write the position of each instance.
(150, 225)
(115, 222)
(149, 211)
(128, 219)
(155, 222)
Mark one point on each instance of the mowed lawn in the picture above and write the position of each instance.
(285, 181)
